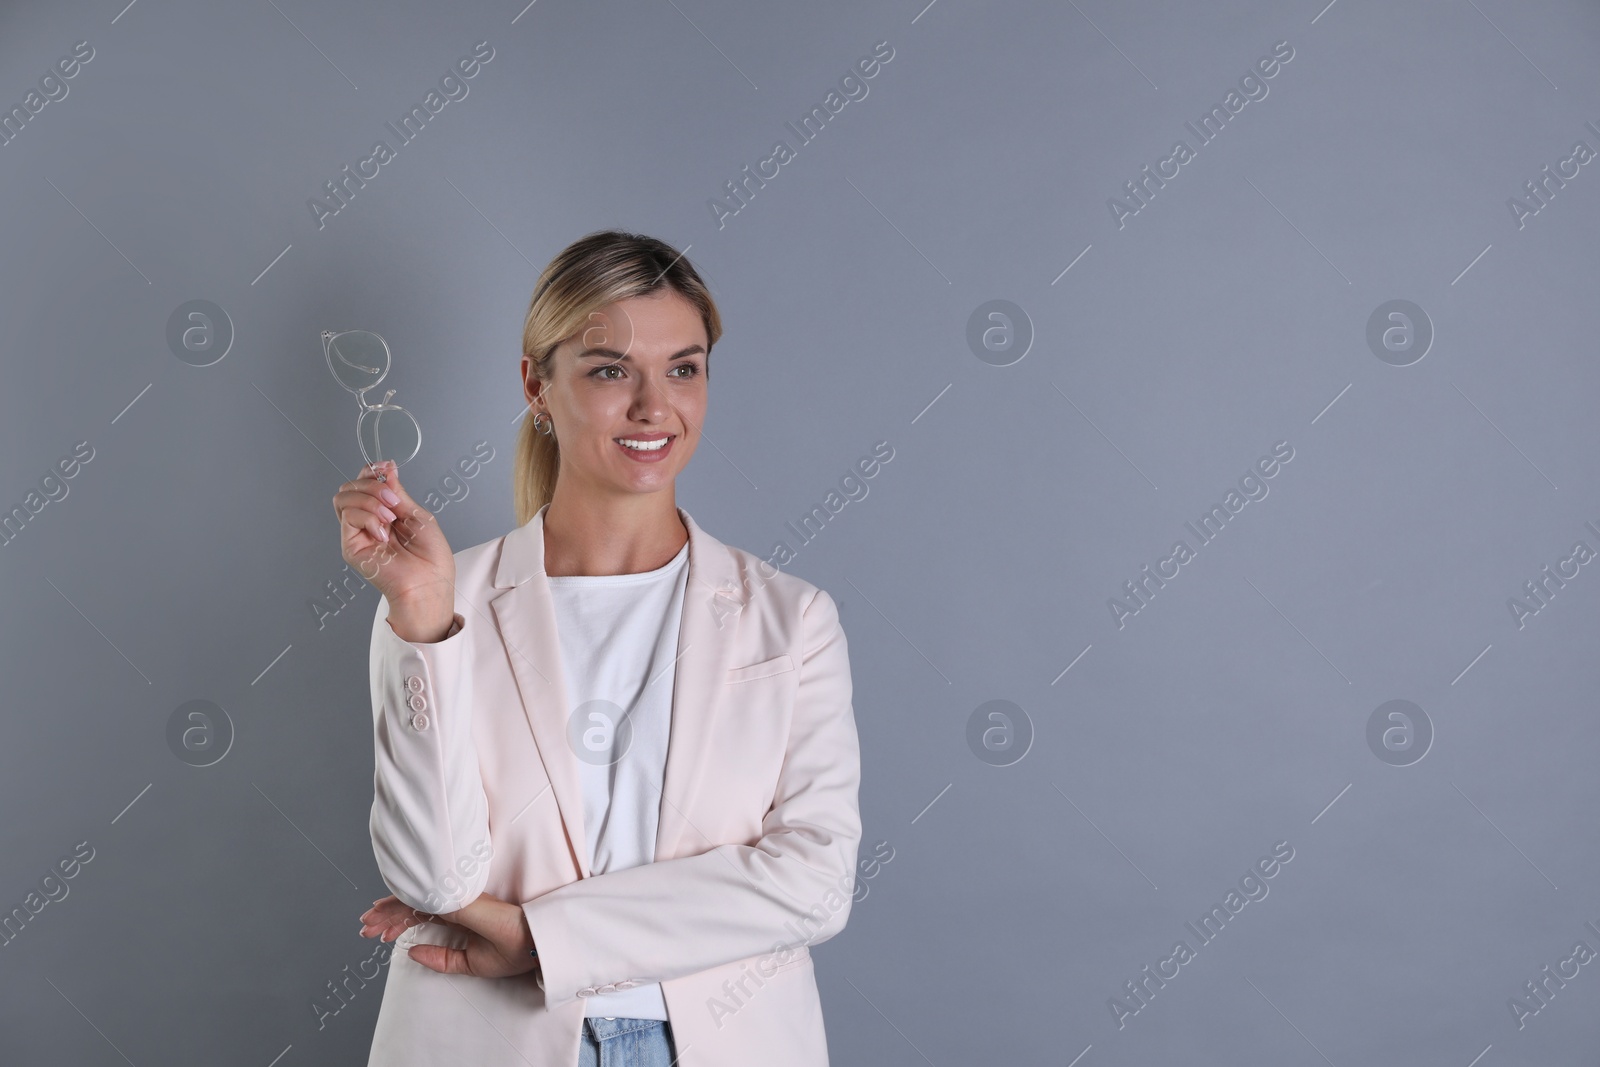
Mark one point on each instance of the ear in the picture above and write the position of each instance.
(530, 383)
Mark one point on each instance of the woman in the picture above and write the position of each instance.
(616, 774)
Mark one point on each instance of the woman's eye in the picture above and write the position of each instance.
(600, 372)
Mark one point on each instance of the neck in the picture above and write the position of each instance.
(627, 534)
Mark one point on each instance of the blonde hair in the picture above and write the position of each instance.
(598, 269)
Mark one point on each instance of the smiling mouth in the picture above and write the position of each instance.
(646, 445)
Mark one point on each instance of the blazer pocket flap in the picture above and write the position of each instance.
(765, 669)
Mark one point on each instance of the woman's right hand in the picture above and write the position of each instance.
(498, 938)
(396, 544)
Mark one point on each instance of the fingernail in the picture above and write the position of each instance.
(389, 496)
(383, 534)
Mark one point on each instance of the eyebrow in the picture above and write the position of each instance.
(613, 354)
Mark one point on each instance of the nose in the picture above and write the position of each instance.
(649, 403)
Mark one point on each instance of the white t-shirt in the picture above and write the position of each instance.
(619, 644)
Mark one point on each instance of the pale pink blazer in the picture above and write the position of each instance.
(476, 789)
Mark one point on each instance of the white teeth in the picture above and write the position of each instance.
(643, 446)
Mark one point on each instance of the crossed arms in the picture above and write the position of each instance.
(650, 923)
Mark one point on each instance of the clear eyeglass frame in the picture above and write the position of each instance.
(361, 364)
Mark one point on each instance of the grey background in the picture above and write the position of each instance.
(1227, 315)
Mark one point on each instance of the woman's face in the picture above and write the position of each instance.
(634, 376)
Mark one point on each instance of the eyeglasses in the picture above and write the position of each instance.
(359, 359)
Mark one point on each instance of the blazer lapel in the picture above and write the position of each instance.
(526, 616)
(713, 603)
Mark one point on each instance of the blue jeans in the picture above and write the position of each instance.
(626, 1043)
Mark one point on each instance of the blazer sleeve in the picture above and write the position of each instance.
(430, 815)
(663, 920)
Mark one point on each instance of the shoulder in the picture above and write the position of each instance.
(476, 567)
(756, 573)
(484, 555)
(761, 585)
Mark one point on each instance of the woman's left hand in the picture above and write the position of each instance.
(498, 938)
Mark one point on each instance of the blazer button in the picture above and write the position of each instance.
(418, 702)
(609, 987)
(627, 984)
(586, 991)
(414, 683)
(419, 721)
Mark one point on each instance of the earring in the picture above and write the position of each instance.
(549, 426)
